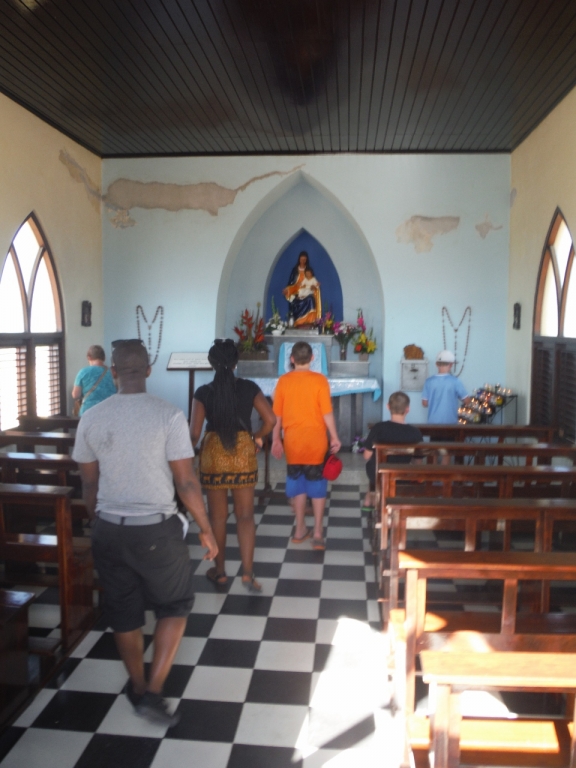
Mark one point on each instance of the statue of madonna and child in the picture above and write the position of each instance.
(303, 294)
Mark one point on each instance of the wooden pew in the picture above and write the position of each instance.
(75, 567)
(47, 423)
(12, 464)
(461, 432)
(487, 741)
(477, 453)
(467, 515)
(415, 630)
(24, 441)
(14, 674)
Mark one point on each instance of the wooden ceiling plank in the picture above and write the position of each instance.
(552, 37)
(497, 96)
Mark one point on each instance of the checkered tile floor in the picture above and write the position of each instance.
(296, 676)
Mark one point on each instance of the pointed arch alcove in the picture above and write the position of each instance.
(296, 205)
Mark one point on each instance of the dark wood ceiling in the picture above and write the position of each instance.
(165, 77)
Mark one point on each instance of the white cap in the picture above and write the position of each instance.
(445, 356)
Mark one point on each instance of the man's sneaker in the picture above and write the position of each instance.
(133, 697)
(155, 709)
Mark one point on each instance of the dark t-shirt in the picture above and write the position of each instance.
(389, 432)
(246, 391)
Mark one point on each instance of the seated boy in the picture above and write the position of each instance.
(394, 431)
(304, 419)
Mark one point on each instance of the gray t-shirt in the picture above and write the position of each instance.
(133, 437)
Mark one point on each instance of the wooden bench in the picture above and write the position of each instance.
(414, 630)
(461, 432)
(47, 423)
(490, 740)
(14, 673)
(12, 464)
(467, 515)
(24, 441)
(74, 559)
(477, 453)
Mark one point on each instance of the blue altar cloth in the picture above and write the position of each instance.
(338, 387)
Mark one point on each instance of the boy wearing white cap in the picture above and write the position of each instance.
(443, 392)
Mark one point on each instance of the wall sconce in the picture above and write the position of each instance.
(86, 313)
(517, 313)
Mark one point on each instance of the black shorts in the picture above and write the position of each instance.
(142, 566)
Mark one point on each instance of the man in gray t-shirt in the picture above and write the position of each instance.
(132, 449)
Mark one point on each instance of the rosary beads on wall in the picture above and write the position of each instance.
(456, 328)
(148, 341)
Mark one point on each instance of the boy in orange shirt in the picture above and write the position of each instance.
(304, 414)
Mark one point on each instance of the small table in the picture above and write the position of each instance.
(451, 673)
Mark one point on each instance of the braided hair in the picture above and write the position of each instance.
(223, 357)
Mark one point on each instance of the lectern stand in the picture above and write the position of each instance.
(191, 362)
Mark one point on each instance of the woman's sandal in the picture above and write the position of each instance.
(220, 579)
(249, 582)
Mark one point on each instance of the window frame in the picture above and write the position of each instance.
(29, 339)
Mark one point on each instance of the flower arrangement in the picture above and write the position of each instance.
(275, 325)
(325, 324)
(365, 342)
(343, 332)
(251, 332)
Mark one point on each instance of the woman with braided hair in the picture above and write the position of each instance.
(228, 454)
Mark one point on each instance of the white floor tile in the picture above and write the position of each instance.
(343, 512)
(85, 646)
(98, 675)
(123, 721)
(285, 657)
(274, 725)
(338, 557)
(218, 684)
(278, 509)
(265, 529)
(295, 607)
(188, 652)
(208, 602)
(343, 590)
(344, 532)
(174, 753)
(269, 555)
(301, 571)
(374, 611)
(239, 627)
(326, 630)
(44, 748)
(345, 495)
(31, 713)
(43, 616)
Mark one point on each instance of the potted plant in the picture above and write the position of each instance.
(276, 326)
(365, 344)
(343, 332)
(250, 331)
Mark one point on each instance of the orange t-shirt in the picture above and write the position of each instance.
(301, 400)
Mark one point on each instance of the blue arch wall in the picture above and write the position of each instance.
(324, 270)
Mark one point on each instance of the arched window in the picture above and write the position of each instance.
(31, 330)
(554, 345)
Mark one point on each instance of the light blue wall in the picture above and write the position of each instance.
(204, 269)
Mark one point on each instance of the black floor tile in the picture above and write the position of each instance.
(50, 596)
(276, 519)
(249, 756)
(75, 711)
(229, 653)
(58, 680)
(233, 553)
(105, 647)
(40, 631)
(345, 503)
(321, 654)
(176, 681)
(345, 545)
(267, 570)
(199, 624)
(353, 735)
(8, 738)
(334, 609)
(206, 720)
(345, 522)
(298, 588)
(291, 630)
(371, 590)
(347, 488)
(271, 687)
(118, 752)
(246, 605)
(200, 583)
(276, 542)
(344, 573)
(303, 556)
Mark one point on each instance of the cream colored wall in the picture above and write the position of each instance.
(543, 175)
(33, 178)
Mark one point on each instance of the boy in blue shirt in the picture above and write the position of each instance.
(443, 391)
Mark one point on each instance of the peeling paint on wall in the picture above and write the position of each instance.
(125, 194)
(485, 227)
(421, 229)
(79, 174)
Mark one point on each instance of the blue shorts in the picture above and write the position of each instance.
(314, 489)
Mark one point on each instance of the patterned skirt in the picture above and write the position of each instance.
(220, 468)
